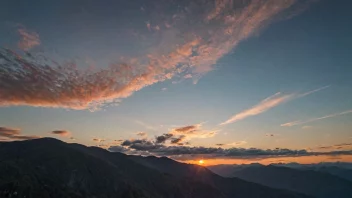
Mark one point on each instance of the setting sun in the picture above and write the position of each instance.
(201, 162)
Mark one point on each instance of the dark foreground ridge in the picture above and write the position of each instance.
(323, 182)
(50, 168)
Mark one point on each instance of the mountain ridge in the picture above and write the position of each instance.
(51, 168)
(318, 184)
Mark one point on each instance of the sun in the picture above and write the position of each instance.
(201, 162)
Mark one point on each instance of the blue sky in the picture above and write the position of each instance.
(296, 56)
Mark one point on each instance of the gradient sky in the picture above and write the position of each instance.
(223, 74)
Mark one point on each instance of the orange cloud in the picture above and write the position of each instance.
(193, 131)
(267, 161)
(187, 129)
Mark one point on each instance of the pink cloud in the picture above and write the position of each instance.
(28, 82)
(235, 26)
(29, 39)
(148, 26)
(32, 81)
(187, 76)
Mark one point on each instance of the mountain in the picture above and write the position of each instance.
(231, 187)
(343, 165)
(227, 170)
(318, 184)
(340, 169)
(51, 168)
(333, 170)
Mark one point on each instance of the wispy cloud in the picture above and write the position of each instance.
(29, 39)
(313, 91)
(341, 146)
(142, 134)
(238, 143)
(10, 134)
(216, 30)
(99, 140)
(269, 103)
(263, 106)
(299, 122)
(233, 144)
(147, 126)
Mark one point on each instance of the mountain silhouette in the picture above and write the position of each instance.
(340, 169)
(231, 187)
(318, 184)
(51, 168)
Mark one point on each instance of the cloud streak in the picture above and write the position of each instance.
(263, 106)
(313, 91)
(293, 123)
(342, 146)
(63, 133)
(99, 140)
(211, 32)
(11, 134)
(233, 144)
(268, 104)
(238, 143)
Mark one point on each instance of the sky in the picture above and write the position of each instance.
(226, 81)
